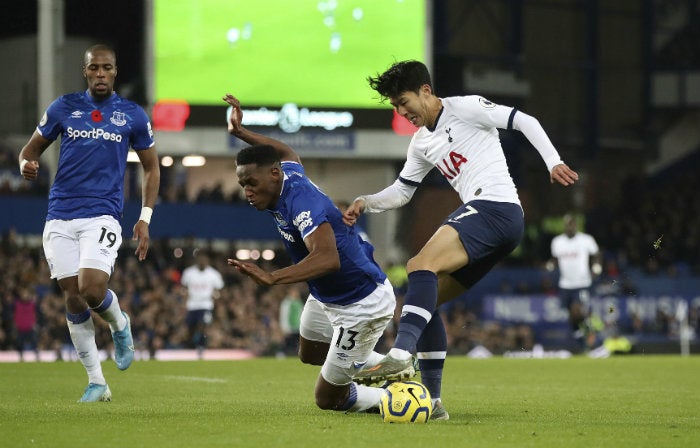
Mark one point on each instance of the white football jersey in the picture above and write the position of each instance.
(573, 255)
(201, 285)
(466, 148)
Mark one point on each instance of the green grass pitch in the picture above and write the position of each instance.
(287, 56)
(632, 401)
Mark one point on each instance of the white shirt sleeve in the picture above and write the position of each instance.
(531, 128)
(393, 196)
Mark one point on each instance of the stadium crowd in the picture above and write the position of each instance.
(657, 231)
(246, 316)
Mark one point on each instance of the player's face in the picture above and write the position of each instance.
(414, 106)
(570, 226)
(262, 185)
(100, 70)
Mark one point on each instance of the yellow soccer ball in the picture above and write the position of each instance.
(406, 402)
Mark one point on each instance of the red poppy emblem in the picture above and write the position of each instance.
(96, 116)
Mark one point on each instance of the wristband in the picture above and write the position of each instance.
(146, 213)
(21, 165)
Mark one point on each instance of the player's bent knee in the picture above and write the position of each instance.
(93, 293)
(311, 358)
(329, 396)
(331, 401)
(312, 352)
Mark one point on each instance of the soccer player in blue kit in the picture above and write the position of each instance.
(351, 301)
(83, 231)
(459, 137)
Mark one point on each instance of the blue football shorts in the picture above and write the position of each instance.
(489, 231)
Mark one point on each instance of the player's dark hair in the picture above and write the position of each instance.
(404, 76)
(260, 155)
(100, 47)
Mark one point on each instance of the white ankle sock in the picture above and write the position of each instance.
(367, 397)
(373, 359)
(397, 353)
(83, 337)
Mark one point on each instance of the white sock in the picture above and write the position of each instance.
(373, 359)
(367, 397)
(113, 314)
(399, 354)
(83, 337)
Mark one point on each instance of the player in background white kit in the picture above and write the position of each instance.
(83, 225)
(203, 283)
(576, 254)
(459, 136)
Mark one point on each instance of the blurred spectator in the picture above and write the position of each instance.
(290, 320)
(397, 275)
(657, 226)
(25, 319)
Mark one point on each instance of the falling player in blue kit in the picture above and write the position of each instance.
(459, 137)
(351, 301)
(83, 230)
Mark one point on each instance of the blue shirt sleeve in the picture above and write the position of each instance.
(307, 211)
(51, 126)
(142, 133)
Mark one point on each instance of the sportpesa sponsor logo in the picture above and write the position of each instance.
(286, 236)
(94, 134)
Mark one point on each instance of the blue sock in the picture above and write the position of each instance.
(419, 304)
(432, 349)
(106, 302)
(78, 318)
(352, 398)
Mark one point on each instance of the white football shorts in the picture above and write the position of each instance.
(351, 330)
(71, 245)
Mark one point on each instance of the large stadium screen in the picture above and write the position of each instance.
(272, 52)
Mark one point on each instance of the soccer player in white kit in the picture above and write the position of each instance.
(83, 230)
(459, 136)
(576, 254)
(203, 283)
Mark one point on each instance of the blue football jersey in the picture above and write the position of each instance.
(301, 208)
(95, 140)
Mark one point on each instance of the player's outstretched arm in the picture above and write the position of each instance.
(353, 212)
(235, 127)
(563, 174)
(533, 131)
(322, 259)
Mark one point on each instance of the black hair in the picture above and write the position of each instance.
(404, 76)
(99, 47)
(258, 154)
